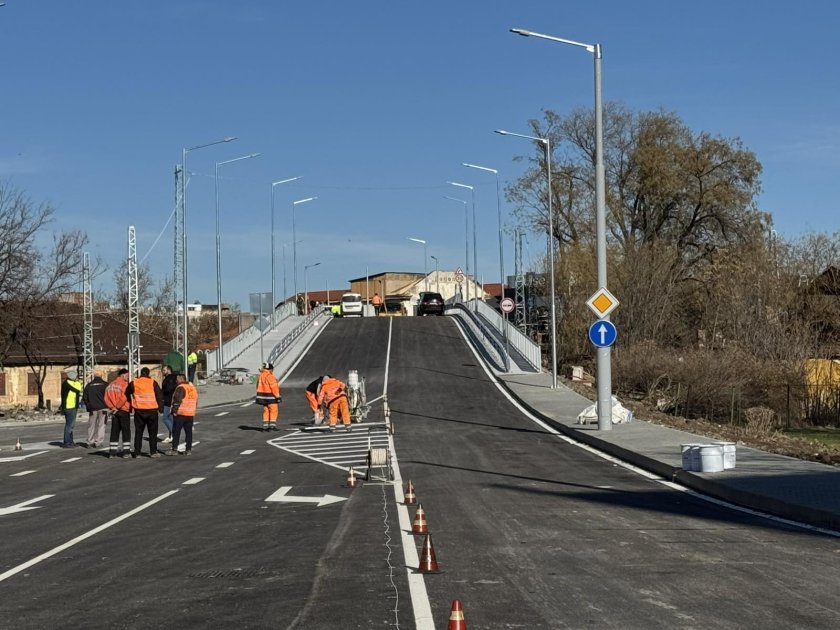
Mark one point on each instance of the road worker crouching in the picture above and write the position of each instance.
(333, 394)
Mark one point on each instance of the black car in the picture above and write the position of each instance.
(431, 304)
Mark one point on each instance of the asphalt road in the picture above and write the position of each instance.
(529, 530)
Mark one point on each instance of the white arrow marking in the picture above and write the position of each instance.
(280, 497)
(20, 506)
(603, 330)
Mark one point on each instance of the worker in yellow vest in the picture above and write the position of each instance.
(184, 404)
(71, 394)
(192, 363)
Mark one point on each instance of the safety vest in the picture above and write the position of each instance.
(331, 389)
(192, 359)
(377, 300)
(189, 401)
(144, 393)
(72, 396)
(115, 394)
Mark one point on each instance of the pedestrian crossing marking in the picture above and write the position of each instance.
(338, 449)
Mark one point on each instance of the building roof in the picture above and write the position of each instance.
(385, 273)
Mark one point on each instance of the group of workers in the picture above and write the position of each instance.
(177, 401)
(324, 393)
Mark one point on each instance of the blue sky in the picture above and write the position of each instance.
(377, 104)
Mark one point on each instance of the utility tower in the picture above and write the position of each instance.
(133, 299)
(89, 361)
(519, 285)
(178, 265)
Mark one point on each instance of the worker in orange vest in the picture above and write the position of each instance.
(376, 300)
(312, 391)
(333, 395)
(147, 399)
(268, 395)
(184, 404)
(120, 409)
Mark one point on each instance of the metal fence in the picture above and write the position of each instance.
(295, 333)
(475, 327)
(526, 347)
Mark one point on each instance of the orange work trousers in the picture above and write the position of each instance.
(269, 415)
(313, 401)
(338, 407)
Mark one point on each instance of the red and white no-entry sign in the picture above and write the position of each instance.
(507, 305)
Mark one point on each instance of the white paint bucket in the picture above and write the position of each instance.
(353, 379)
(728, 454)
(689, 454)
(711, 458)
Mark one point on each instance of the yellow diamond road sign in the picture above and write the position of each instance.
(602, 303)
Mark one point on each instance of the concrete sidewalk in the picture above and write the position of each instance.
(790, 488)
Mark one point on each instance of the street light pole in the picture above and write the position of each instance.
(305, 290)
(425, 273)
(501, 253)
(466, 244)
(294, 245)
(437, 273)
(220, 359)
(602, 355)
(185, 323)
(475, 247)
(273, 287)
(547, 147)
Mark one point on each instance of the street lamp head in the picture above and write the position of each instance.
(285, 181)
(455, 199)
(460, 185)
(502, 132)
(417, 240)
(294, 203)
(521, 31)
(229, 139)
(481, 168)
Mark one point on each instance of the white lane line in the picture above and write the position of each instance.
(72, 459)
(247, 404)
(193, 481)
(85, 536)
(250, 451)
(225, 465)
(22, 473)
(20, 457)
(223, 413)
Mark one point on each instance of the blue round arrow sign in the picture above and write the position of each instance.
(602, 333)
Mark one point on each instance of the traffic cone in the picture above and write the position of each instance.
(456, 617)
(410, 498)
(428, 562)
(18, 446)
(351, 479)
(419, 526)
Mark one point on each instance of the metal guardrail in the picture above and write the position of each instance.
(247, 338)
(488, 341)
(526, 347)
(294, 334)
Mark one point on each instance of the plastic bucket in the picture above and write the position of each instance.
(689, 455)
(353, 379)
(729, 454)
(711, 458)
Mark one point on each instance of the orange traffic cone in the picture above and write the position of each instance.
(18, 446)
(428, 562)
(456, 617)
(410, 498)
(351, 479)
(419, 526)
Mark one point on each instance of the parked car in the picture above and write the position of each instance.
(431, 304)
(351, 304)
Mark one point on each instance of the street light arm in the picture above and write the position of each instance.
(461, 185)
(502, 132)
(455, 199)
(294, 203)
(286, 181)
(210, 144)
(244, 157)
(593, 48)
(481, 168)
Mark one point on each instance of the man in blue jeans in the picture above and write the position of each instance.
(71, 394)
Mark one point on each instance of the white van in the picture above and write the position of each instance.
(351, 304)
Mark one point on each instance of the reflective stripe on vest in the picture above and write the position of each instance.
(72, 396)
(189, 401)
(144, 393)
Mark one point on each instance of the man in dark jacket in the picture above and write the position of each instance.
(94, 398)
(167, 387)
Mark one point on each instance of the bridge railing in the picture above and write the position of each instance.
(294, 334)
(494, 350)
(525, 346)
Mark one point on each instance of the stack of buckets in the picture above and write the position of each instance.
(713, 457)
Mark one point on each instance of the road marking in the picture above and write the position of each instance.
(247, 404)
(72, 459)
(85, 536)
(193, 481)
(225, 465)
(350, 448)
(280, 497)
(22, 473)
(20, 457)
(250, 451)
(20, 507)
(223, 413)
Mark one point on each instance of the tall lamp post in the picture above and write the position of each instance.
(425, 273)
(294, 245)
(466, 243)
(185, 323)
(273, 287)
(437, 273)
(305, 290)
(220, 359)
(602, 355)
(475, 248)
(547, 147)
(501, 251)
